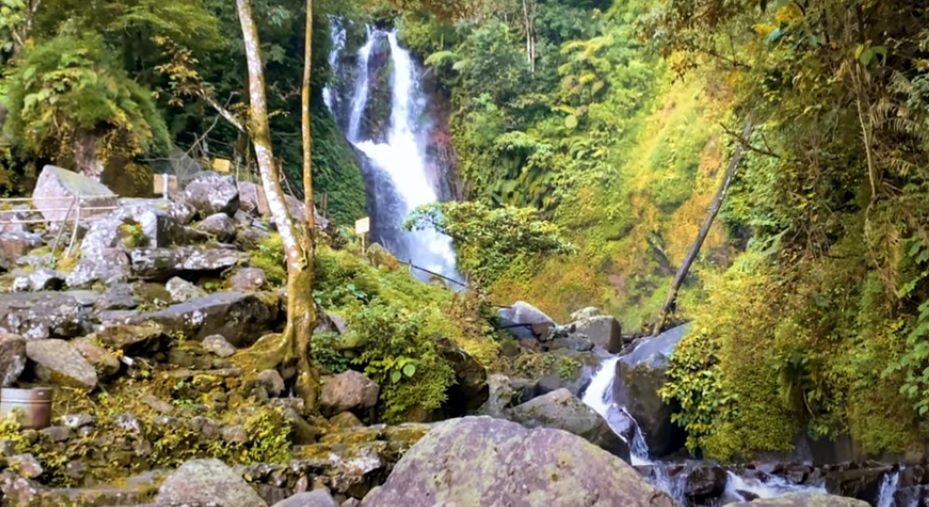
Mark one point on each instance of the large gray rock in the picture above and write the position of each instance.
(12, 358)
(14, 245)
(37, 315)
(562, 410)
(603, 330)
(240, 318)
(639, 376)
(104, 362)
(525, 321)
(182, 291)
(176, 209)
(804, 500)
(349, 390)
(491, 462)
(318, 498)
(103, 234)
(248, 279)
(108, 266)
(218, 225)
(58, 362)
(863, 484)
(162, 264)
(159, 220)
(145, 339)
(39, 280)
(57, 188)
(209, 193)
(205, 481)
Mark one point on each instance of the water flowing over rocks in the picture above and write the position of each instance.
(489, 462)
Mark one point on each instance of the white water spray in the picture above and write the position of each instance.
(888, 487)
(770, 487)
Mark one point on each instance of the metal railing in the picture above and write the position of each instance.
(75, 208)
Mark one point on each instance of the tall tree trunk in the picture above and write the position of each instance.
(704, 229)
(300, 304)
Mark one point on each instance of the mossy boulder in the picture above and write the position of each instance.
(349, 390)
(491, 462)
(209, 193)
(208, 480)
(161, 264)
(58, 362)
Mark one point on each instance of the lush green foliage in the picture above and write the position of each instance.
(820, 328)
(487, 241)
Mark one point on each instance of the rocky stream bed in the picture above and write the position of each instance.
(142, 339)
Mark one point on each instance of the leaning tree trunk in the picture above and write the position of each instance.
(300, 304)
(704, 229)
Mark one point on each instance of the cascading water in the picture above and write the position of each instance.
(395, 165)
(888, 487)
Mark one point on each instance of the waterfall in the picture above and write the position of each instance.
(888, 487)
(396, 168)
(339, 35)
(599, 396)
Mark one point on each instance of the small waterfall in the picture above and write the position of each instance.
(339, 35)
(402, 157)
(770, 487)
(888, 487)
(599, 396)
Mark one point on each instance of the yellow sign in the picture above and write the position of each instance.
(221, 165)
(362, 226)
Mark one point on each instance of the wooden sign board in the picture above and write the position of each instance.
(222, 165)
(165, 183)
(362, 226)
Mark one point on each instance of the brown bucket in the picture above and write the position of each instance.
(35, 404)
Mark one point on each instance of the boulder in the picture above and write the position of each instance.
(240, 318)
(180, 211)
(346, 420)
(13, 220)
(104, 362)
(248, 280)
(36, 315)
(162, 264)
(562, 410)
(39, 280)
(182, 291)
(145, 339)
(575, 342)
(863, 484)
(102, 234)
(492, 462)
(604, 331)
(209, 193)
(470, 389)
(14, 245)
(318, 498)
(220, 226)
(639, 376)
(586, 313)
(525, 321)
(108, 266)
(705, 482)
(804, 500)
(158, 225)
(12, 358)
(349, 390)
(272, 381)
(207, 481)
(218, 345)
(57, 188)
(58, 362)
